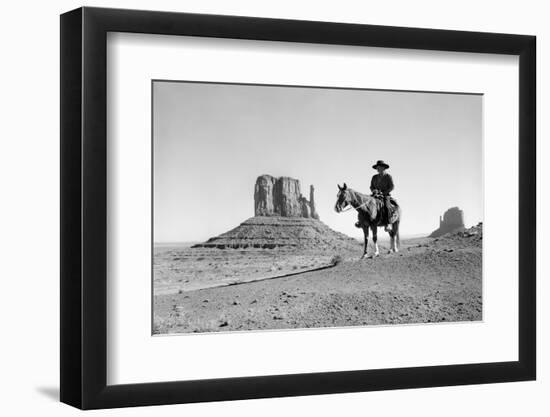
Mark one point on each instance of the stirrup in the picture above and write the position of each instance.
(388, 228)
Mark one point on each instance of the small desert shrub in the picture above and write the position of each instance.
(336, 259)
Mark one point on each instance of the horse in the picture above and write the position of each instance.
(369, 212)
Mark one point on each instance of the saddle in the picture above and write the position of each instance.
(389, 205)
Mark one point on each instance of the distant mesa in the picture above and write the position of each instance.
(452, 221)
(282, 197)
(284, 218)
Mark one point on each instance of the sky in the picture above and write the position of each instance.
(211, 142)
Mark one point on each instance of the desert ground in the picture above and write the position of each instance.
(430, 280)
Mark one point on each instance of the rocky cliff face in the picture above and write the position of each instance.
(263, 195)
(452, 221)
(282, 197)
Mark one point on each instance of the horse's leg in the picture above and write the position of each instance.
(359, 221)
(366, 235)
(392, 241)
(396, 242)
(394, 237)
(375, 240)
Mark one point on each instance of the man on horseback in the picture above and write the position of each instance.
(381, 185)
(373, 211)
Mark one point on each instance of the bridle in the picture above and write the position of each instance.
(350, 206)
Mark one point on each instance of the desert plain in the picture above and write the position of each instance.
(430, 280)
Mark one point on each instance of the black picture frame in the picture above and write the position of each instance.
(84, 207)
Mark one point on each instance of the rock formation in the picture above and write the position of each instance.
(284, 218)
(452, 221)
(282, 197)
(313, 212)
(270, 232)
(263, 196)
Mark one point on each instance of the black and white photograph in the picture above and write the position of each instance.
(294, 207)
(275, 208)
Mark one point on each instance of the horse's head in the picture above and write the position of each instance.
(343, 198)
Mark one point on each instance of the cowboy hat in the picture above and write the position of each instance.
(380, 164)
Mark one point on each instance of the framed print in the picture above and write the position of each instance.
(256, 208)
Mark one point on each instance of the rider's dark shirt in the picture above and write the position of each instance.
(382, 182)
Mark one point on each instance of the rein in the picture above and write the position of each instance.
(351, 207)
(356, 208)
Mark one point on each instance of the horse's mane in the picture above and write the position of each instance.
(369, 204)
(360, 197)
